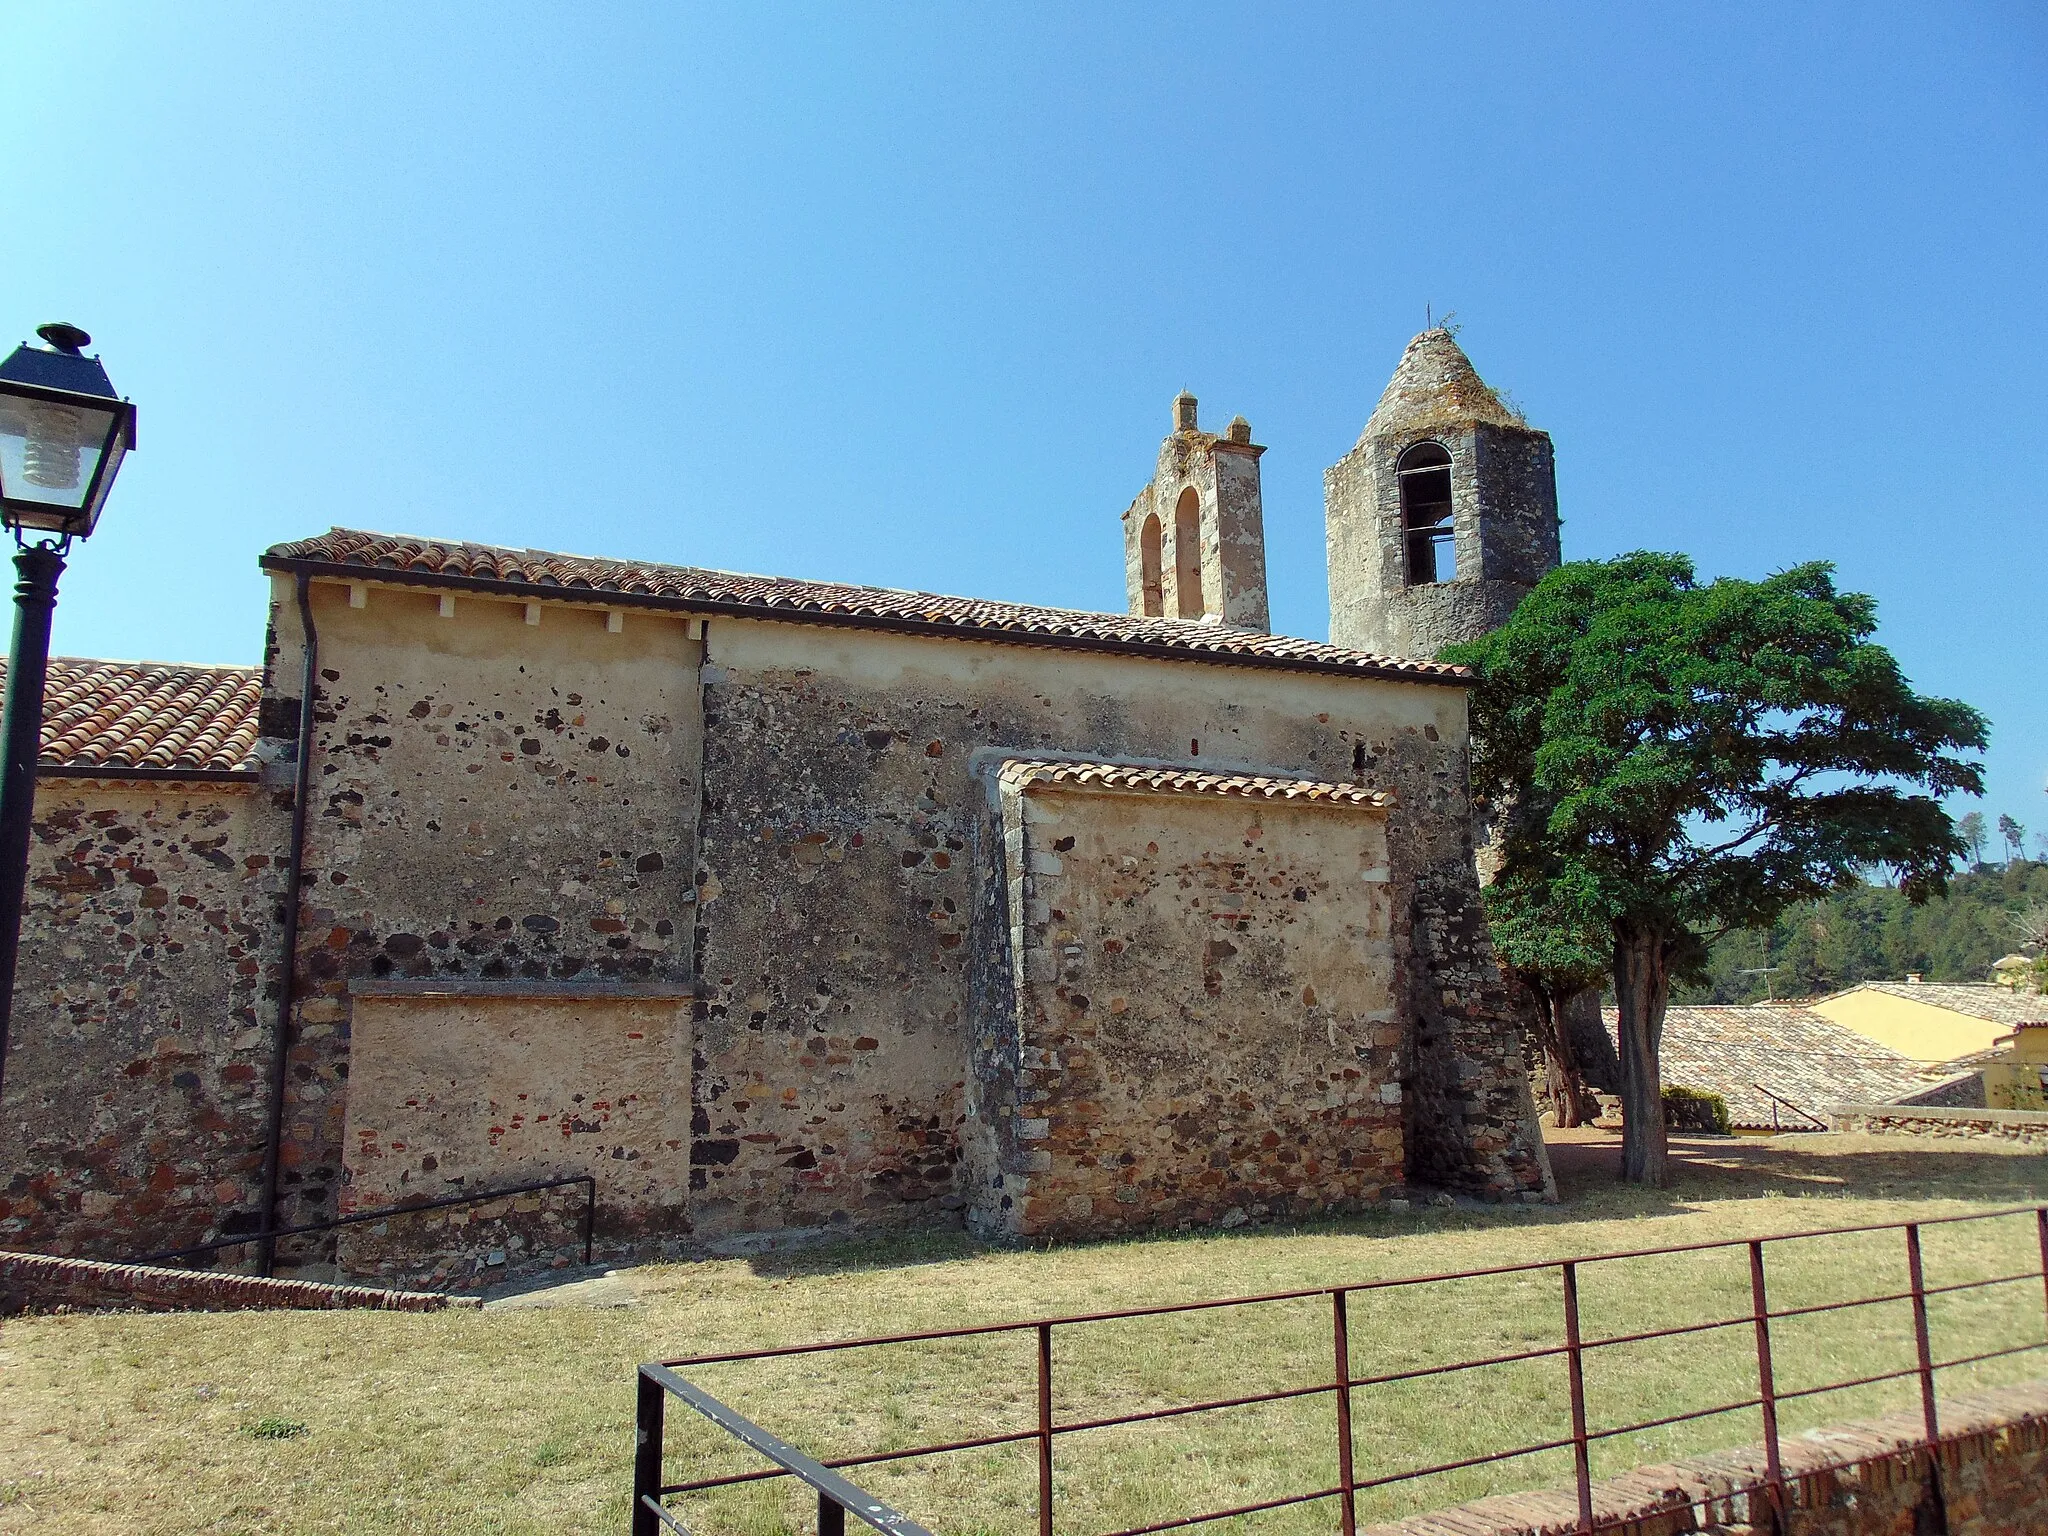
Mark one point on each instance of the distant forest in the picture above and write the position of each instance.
(1872, 933)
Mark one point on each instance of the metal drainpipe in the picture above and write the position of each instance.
(273, 1145)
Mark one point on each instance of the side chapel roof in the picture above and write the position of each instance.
(149, 720)
(1434, 389)
(349, 555)
(1023, 772)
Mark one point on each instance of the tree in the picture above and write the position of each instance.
(1686, 760)
(1555, 954)
(2013, 835)
(1974, 836)
(2032, 927)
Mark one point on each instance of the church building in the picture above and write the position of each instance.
(784, 907)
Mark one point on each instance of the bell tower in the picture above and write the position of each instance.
(1195, 538)
(1443, 516)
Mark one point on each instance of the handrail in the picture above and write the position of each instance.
(1779, 1099)
(836, 1495)
(588, 1181)
(1161, 1310)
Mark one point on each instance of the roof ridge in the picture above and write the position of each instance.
(343, 552)
(727, 572)
(244, 668)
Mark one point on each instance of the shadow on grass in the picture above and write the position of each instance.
(1588, 1168)
(1735, 1168)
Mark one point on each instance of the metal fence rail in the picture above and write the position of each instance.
(662, 1379)
(386, 1212)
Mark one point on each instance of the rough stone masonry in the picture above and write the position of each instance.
(776, 906)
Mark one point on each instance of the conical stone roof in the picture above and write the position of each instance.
(1434, 389)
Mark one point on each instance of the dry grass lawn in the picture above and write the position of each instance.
(521, 1420)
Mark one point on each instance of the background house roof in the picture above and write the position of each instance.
(1977, 1000)
(152, 719)
(347, 554)
(1807, 1060)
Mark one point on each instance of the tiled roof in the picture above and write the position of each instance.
(165, 721)
(1975, 1000)
(346, 554)
(1022, 772)
(1809, 1061)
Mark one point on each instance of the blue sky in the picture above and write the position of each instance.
(901, 294)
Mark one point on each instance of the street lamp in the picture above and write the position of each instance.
(63, 434)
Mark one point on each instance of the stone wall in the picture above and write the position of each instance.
(1987, 1477)
(1503, 488)
(501, 790)
(1230, 562)
(831, 1057)
(778, 820)
(452, 1090)
(134, 1116)
(1200, 1021)
(2028, 1127)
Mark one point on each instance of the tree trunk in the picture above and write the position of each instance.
(1592, 1046)
(1642, 985)
(1560, 1061)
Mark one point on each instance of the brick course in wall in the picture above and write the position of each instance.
(1987, 1477)
(34, 1282)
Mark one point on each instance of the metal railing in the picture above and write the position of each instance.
(1777, 1099)
(386, 1212)
(836, 1495)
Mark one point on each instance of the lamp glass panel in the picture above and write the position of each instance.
(48, 450)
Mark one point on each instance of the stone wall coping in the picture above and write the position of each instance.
(1942, 1113)
(494, 989)
(41, 1282)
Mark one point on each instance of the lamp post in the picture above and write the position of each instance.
(63, 434)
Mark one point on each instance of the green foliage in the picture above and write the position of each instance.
(1690, 1109)
(1870, 932)
(1680, 761)
(2013, 835)
(1540, 934)
(270, 1427)
(1694, 759)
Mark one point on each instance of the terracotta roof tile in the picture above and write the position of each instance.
(1804, 1058)
(1022, 772)
(346, 553)
(160, 718)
